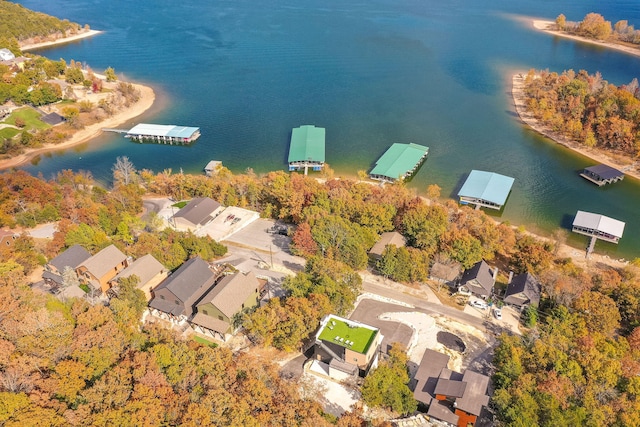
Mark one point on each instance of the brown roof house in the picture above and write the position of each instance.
(174, 299)
(149, 272)
(454, 398)
(480, 279)
(389, 238)
(71, 258)
(445, 273)
(231, 295)
(524, 289)
(347, 348)
(197, 213)
(7, 237)
(98, 270)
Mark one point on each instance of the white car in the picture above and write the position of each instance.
(478, 304)
(497, 313)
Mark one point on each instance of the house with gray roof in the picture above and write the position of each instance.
(480, 279)
(197, 213)
(524, 289)
(72, 258)
(98, 270)
(447, 273)
(389, 238)
(232, 294)
(174, 299)
(149, 271)
(452, 397)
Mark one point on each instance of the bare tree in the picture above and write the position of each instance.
(124, 172)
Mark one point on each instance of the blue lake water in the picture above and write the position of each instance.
(372, 73)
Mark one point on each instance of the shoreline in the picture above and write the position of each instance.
(147, 98)
(630, 169)
(547, 27)
(62, 40)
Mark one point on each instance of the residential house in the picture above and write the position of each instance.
(102, 267)
(149, 272)
(348, 347)
(480, 279)
(175, 297)
(72, 258)
(390, 238)
(445, 273)
(216, 309)
(454, 398)
(7, 237)
(524, 289)
(197, 213)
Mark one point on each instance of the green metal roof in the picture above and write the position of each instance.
(399, 159)
(339, 331)
(307, 143)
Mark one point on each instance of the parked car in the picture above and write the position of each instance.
(497, 313)
(463, 290)
(478, 304)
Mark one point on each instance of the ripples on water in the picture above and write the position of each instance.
(372, 73)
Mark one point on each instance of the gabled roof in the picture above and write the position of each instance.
(187, 279)
(482, 273)
(231, 292)
(525, 284)
(475, 394)
(211, 323)
(450, 388)
(444, 271)
(488, 186)
(72, 257)
(389, 238)
(198, 211)
(6, 233)
(399, 159)
(145, 267)
(599, 223)
(307, 143)
(104, 261)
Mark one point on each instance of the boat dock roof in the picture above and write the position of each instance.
(486, 189)
(591, 224)
(307, 144)
(167, 131)
(602, 174)
(399, 161)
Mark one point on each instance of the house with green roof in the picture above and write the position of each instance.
(307, 148)
(346, 346)
(400, 161)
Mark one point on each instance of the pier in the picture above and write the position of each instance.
(485, 189)
(597, 227)
(162, 134)
(399, 162)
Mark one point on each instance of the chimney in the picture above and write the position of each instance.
(510, 278)
(495, 273)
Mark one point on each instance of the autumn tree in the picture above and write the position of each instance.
(594, 26)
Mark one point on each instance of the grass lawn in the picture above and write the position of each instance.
(361, 336)
(84, 287)
(30, 116)
(203, 341)
(8, 133)
(180, 205)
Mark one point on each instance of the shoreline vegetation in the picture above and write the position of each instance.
(550, 28)
(61, 40)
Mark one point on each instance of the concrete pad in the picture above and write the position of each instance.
(226, 223)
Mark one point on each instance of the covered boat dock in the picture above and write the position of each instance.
(597, 227)
(307, 148)
(163, 134)
(400, 161)
(485, 189)
(602, 174)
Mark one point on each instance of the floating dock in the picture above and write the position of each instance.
(399, 162)
(597, 226)
(162, 134)
(307, 148)
(602, 174)
(485, 189)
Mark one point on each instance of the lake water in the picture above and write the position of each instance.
(372, 73)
